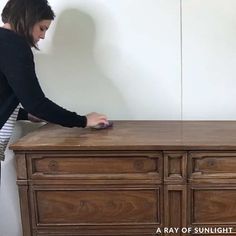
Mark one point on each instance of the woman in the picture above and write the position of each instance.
(25, 23)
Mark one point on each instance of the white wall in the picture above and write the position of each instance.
(117, 57)
(209, 59)
(133, 59)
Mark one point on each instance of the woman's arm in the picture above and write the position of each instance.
(17, 64)
(22, 114)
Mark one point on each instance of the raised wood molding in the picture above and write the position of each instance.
(26, 216)
(175, 206)
(175, 167)
(21, 166)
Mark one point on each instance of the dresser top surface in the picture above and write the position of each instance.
(134, 135)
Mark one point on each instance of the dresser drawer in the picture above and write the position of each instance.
(96, 165)
(95, 206)
(212, 165)
(213, 205)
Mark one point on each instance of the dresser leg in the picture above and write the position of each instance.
(25, 212)
(175, 210)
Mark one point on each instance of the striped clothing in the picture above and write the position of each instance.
(6, 131)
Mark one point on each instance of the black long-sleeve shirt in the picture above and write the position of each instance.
(19, 84)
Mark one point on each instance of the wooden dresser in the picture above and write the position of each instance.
(131, 180)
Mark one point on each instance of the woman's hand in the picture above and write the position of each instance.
(94, 119)
(34, 118)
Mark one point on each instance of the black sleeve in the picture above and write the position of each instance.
(17, 64)
(22, 114)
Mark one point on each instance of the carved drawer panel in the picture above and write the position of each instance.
(175, 163)
(212, 165)
(96, 165)
(213, 205)
(96, 206)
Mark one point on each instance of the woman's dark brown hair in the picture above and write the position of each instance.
(22, 15)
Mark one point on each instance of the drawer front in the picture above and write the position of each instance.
(53, 207)
(213, 205)
(96, 165)
(212, 165)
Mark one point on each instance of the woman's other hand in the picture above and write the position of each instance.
(34, 118)
(94, 119)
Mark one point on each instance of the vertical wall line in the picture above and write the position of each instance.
(181, 56)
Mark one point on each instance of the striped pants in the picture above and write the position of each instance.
(6, 131)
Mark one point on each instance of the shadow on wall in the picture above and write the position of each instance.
(71, 71)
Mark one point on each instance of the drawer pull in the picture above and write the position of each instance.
(211, 163)
(138, 165)
(53, 165)
(111, 204)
